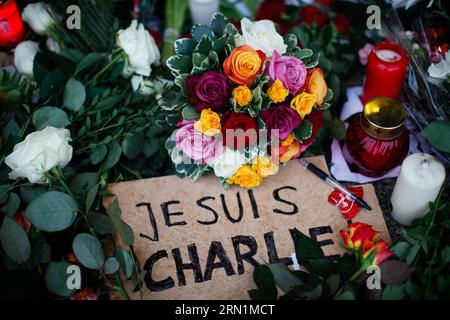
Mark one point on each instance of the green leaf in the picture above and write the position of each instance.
(29, 193)
(283, 277)
(393, 292)
(445, 254)
(190, 113)
(88, 61)
(13, 204)
(126, 261)
(50, 116)
(265, 283)
(304, 131)
(83, 182)
(333, 283)
(184, 46)
(14, 241)
(307, 249)
(113, 157)
(101, 223)
(200, 30)
(132, 146)
(90, 198)
(122, 229)
(321, 266)
(179, 64)
(111, 265)
(337, 128)
(74, 95)
(56, 278)
(438, 134)
(218, 24)
(412, 254)
(98, 154)
(53, 211)
(401, 250)
(88, 251)
(204, 45)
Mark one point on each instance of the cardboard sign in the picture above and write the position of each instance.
(199, 241)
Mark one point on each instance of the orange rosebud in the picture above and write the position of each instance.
(356, 234)
(244, 64)
(382, 253)
(315, 84)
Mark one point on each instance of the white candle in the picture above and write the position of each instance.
(388, 55)
(421, 177)
(203, 10)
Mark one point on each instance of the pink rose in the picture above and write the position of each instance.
(364, 52)
(289, 70)
(196, 145)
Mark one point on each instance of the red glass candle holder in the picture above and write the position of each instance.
(385, 72)
(376, 140)
(12, 29)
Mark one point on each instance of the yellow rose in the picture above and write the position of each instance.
(264, 166)
(315, 84)
(245, 177)
(304, 103)
(242, 95)
(290, 152)
(209, 123)
(286, 142)
(277, 92)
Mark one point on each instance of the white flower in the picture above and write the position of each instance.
(37, 17)
(24, 56)
(261, 35)
(441, 69)
(227, 163)
(40, 152)
(396, 4)
(52, 45)
(140, 47)
(145, 86)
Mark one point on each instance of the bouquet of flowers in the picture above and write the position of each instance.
(251, 100)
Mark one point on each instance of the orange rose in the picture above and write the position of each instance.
(244, 64)
(315, 84)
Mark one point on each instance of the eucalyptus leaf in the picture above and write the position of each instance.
(98, 154)
(74, 95)
(113, 157)
(126, 261)
(53, 211)
(50, 116)
(101, 223)
(56, 278)
(14, 241)
(12, 205)
(88, 251)
(132, 146)
(111, 265)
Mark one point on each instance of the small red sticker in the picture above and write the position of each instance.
(348, 207)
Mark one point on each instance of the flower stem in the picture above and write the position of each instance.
(119, 287)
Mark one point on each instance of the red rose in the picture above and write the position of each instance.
(316, 118)
(247, 130)
(311, 14)
(271, 10)
(342, 23)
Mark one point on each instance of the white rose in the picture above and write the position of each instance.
(261, 35)
(441, 69)
(37, 17)
(145, 86)
(24, 56)
(40, 152)
(140, 47)
(227, 163)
